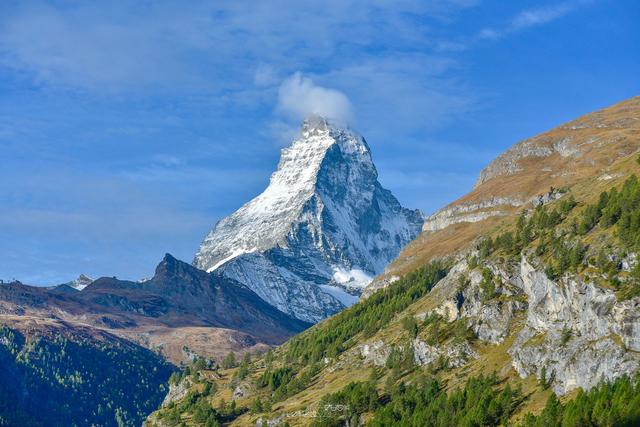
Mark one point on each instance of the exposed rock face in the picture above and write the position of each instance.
(489, 318)
(455, 355)
(377, 285)
(508, 162)
(319, 232)
(241, 390)
(550, 196)
(375, 353)
(575, 331)
(177, 391)
(468, 212)
(475, 212)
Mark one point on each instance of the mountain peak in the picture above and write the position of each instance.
(323, 226)
(168, 258)
(80, 283)
(171, 266)
(315, 125)
(315, 122)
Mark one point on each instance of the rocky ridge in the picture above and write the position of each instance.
(179, 311)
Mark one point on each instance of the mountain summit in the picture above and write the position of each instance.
(319, 232)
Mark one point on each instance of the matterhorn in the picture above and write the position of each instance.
(318, 234)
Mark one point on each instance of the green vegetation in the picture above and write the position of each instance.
(77, 381)
(331, 338)
(488, 285)
(564, 244)
(622, 209)
(304, 354)
(199, 405)
(229, 361)
(283, 382)
(541, 225)
(399, 362)
(608, 404)
(584, 239)
(483, 401)
(545, 381)
(479, 403)
(426, 403)
(275, 379)
(243, 369)
(410, 324)
(347, 405)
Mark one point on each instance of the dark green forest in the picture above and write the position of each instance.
(367, 317)
(483, 401)
(609, 404)
(77, 381)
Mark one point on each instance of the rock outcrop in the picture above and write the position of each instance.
(575, 333)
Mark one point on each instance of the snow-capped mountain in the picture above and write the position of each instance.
(319, 232)
(80, 283)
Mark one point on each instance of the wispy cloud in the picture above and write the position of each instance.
(531, 18)
(237, 52)
(207, 45)
(415, 91)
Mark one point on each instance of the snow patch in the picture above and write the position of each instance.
(340, 294)
(354, 278)
(234, 254)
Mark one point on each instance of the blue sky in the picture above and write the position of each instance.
(128, 128)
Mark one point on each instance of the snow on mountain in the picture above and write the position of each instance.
(80, 283)
(319, 233)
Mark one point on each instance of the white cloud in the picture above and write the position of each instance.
(299, 97)
(531, 18)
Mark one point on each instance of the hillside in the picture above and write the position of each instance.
(581, 150)
(179, 312)
(525, 289)
(100, 355)
(75, 376)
